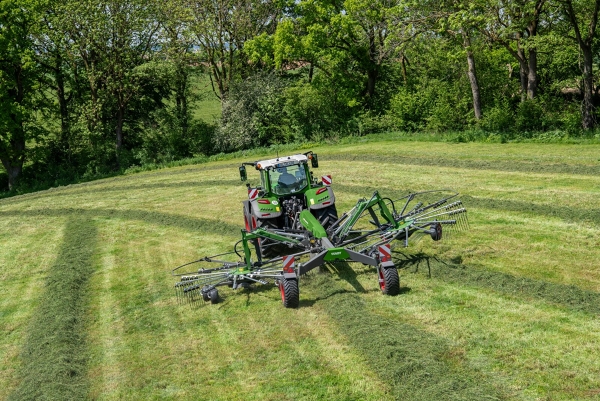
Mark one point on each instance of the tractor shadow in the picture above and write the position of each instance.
(345, 271)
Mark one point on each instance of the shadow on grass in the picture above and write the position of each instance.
(345, 272)
(55, 353)
(566, 296)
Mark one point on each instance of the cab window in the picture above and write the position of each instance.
(288, 180)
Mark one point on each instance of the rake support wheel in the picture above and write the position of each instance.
(389, 281)
(205, 294)
(436, 231)
(214, 296)
(290, 293)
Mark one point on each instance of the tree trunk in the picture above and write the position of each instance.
(63, 105)
(523, 73)
(371, 81)
(119, 129)
(13, 157)
(472, 74)
(586, 43)
(181, 99)
(14, 173)
(532, 74)
(403, 64)
(588, 116)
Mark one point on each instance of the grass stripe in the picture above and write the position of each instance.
(55, 352)
(567, 213)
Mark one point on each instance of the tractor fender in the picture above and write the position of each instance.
(320, 201)
(269, 210)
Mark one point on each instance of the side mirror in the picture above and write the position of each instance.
(243, 174)
(314, 161)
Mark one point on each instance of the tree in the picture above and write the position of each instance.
(341, 36)
(18, 72)
(222, 27)
(583, 16)
(460, 21)
(515, 24)
(112, 39)
(51, 47)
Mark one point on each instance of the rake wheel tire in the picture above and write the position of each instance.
(205, 294)
(290, 293)
(389, 281)
(214, 296)
(436, 231)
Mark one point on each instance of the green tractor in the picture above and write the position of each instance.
(287, 188)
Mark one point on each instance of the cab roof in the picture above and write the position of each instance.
(281, 162)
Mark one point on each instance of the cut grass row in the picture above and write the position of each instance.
(509, 313)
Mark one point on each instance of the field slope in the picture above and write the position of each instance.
(508, 310)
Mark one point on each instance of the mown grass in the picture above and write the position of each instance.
(506, 310)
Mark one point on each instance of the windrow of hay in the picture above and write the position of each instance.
(55, 353)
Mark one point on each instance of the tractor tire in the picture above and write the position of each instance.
(214, 296)
(436, 231)
(266, 252)
(327, 212)
(248, 224)
(389, 281)
(290, 293)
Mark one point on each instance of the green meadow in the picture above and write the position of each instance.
(508, 310)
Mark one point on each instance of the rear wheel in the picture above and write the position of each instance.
(247, 216)
(265, 244)
(290, 293)
(327, 214)
(389, 281)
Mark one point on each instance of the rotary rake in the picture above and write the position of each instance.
(364, 234)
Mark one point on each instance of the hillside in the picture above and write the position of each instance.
(506, 310)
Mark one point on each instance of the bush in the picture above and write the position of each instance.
(498, 119)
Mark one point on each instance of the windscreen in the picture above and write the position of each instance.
(288, 180)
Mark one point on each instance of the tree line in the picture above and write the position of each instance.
(89, 87)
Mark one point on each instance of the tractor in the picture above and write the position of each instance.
(287, 187)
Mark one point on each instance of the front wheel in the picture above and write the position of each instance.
(290, 293)
(389, 281)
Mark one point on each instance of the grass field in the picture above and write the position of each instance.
(508, 310)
